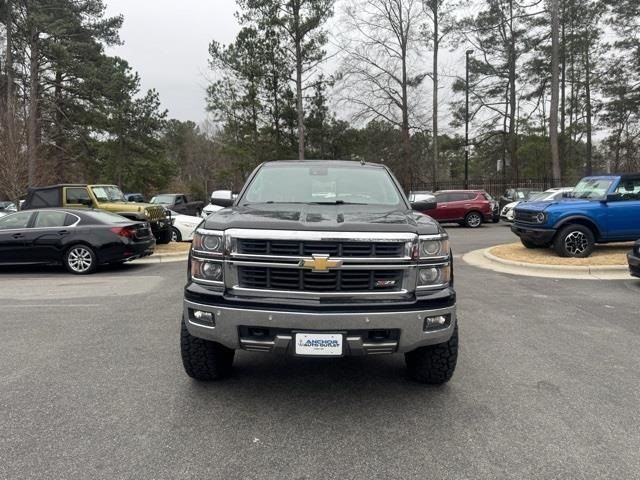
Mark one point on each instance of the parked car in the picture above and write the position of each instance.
(183, 227)
(80, 239)
(634, 260)
(178, 202)
(601, 209)
(218, 196)
(515, 195)
(103, 197)
(135, 197)
(466, 207)
(5, 205)
(549, 195)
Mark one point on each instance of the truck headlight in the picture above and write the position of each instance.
(208, 241)
(433, 246)
(204, 270)
(434, 275)
(541, 217)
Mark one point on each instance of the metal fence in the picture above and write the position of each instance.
(494, 186)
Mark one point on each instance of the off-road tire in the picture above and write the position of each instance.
(164, 237)
(435, 364)
(473, 220)
(176, 236)
(80, 259)
(204, 360)
(574, 240)
(529, 244)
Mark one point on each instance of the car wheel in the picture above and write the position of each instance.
(202, 359)
(529, 244)
(164, 237)
(435, 364)
(80, 260)
(574, 241)
(175, 235)
(473, 220)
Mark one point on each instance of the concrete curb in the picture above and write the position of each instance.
(163, 258)
(483, 259)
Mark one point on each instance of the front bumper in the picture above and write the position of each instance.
(634, 264)
(229, 321)
(540, 236)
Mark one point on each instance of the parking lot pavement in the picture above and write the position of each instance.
(91, 386)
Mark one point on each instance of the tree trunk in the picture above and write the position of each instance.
(513, 141)
(299, 103)
(589, 166)
(34, 93)
(555, 91)
(436, 44)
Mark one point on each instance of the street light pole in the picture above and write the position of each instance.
(466, 127)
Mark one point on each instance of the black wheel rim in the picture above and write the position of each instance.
(576, 243)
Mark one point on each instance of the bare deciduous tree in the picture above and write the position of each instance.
(381, 72)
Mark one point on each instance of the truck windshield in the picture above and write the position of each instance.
(320, 184)
(592, 188)
(164, 199)
(108, 193)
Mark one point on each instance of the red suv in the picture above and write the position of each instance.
(466, 207)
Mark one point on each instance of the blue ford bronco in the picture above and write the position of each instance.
(600, 209)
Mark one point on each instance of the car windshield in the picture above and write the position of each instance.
(108, 193)
(592, 188)
(322, 184)
(163, 199)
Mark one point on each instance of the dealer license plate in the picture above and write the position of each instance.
(319, 344)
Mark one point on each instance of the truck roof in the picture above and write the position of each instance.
(344, 163)
(623, 176)
(63, 185)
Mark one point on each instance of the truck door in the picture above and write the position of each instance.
(623, 213)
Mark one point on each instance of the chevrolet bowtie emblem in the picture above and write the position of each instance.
(320, 263)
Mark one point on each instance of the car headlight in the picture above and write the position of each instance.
(434, 275)
(433, 246)
(206, 271)
(208, 241)
(541, 217)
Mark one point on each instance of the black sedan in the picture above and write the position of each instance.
(80, 239)
(634, 260)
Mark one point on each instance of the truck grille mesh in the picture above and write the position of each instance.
(307, 248)
(269, 278)
(155, 213)
(526, 216)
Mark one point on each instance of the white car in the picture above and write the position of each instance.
(209, 209)
(509, 210)
(183, 227)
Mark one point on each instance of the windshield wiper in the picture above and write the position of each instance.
(337, 202)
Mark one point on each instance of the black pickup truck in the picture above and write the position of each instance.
(178, 202)
(320, 259)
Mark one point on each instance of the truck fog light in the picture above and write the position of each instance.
(203, 318)
(437, 322)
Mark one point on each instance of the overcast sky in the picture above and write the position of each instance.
(166, 42)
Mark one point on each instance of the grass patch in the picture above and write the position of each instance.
(173, 247)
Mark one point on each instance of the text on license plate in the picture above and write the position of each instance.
(318, 344)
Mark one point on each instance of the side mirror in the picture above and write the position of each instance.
(222, 198)
(423, 205)
(87, 202)
(612, 197)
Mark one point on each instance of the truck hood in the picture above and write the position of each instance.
(345, 218)
(542, 206)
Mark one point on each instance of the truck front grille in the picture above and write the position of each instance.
(306, 248)
(156, 213)
(268, 278)
(526, 216)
